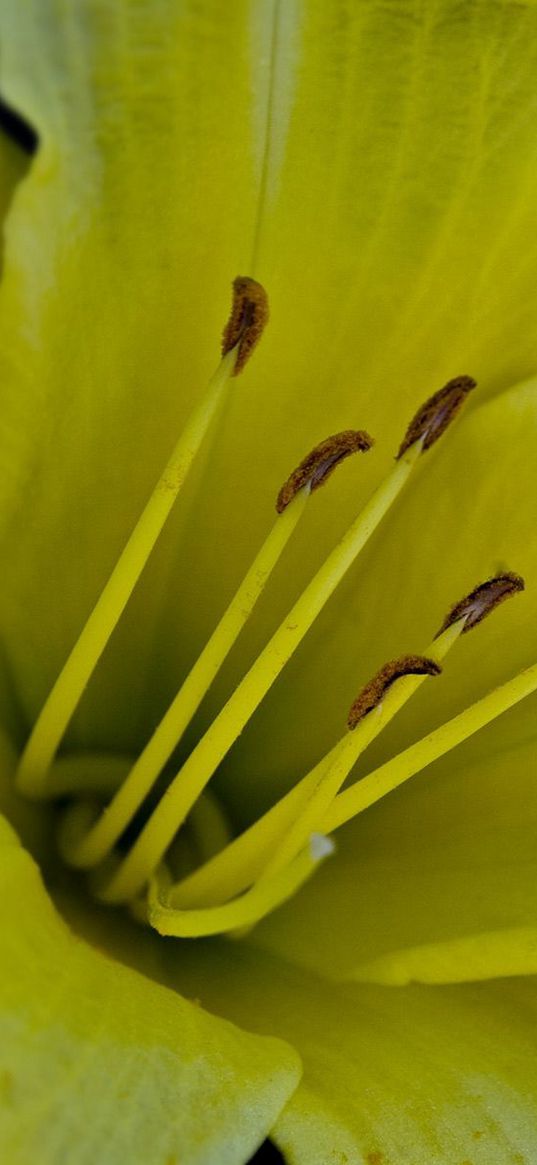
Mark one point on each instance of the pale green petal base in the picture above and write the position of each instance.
(418, 1076)
(99, 1064)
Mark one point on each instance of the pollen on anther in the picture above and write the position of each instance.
(482, 600)
(437, 413)
(371, 695)
(248, 319)
(317, 466)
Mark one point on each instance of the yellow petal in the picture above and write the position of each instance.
(99, 1063)
(368, 159)
(391, 1076)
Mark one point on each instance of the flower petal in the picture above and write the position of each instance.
(101, 1064)
(391, 1076)
(379, 162)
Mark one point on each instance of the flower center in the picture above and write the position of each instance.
(240, 880)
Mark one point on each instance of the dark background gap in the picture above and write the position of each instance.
(15, 127)
(268, 1154)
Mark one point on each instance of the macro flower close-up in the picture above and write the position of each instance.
(268, 597)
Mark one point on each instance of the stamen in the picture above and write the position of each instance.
(249, 908)
(208, 826)
(483, 600)
(88, 773)
(373, 692)
(65, 695)
(242, 862)
(245, 859)
(415, 758)
(281, 832)
(247, 322)
(396, 683)
(85, 852)
(433, 418)
(197, 771)
(316, 468)
(211, 749)
(370, 789)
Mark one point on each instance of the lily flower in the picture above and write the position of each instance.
(268, 749)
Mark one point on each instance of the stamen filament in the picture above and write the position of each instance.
(245, 859)
(87, 851)
(415, 758)
(243, 911)
(184, 790)
(350, 749)
(65, 695)
(89, 773)
(282, 832)
(239, 865)
(208, 826)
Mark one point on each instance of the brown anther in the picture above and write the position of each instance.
(370, 696)
(316, 468)
(482, 600)
(248, 319)
(437, 413)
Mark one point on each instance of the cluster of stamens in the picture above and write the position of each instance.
(240, 880)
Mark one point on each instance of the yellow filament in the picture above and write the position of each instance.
(395, 772)
(349, 750)
(244, 859)
(243, 911)
(242, 862)
(184, 790)
(208, 826)
(93, 773)
(268, 844)
(65, 695)
(326, 818)
(88, 850)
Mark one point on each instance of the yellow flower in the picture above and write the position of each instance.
(374, 166)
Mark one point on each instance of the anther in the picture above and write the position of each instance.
(248, 319)
(316, 468)
(482, 600)
(371, 695)
(437, 413)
